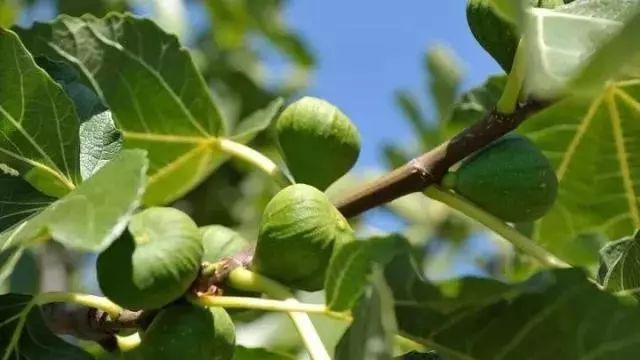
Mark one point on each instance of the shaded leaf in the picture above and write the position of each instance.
(39, 137)
(556, 314)
(351, 265)
(619, 268)
(245, 353)
(591, 144)
(370, 336)
(19, 200)
(151, 85)
(99, 216)
(24, 334)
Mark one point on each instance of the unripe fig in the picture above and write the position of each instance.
(510, 178)
(220, 241)
(154, 262)
(495, 34)
(298, 232)
(185, 331)
(318, 142)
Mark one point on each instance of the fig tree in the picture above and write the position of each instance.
(185, 331)
(298, 232)
(154, 262)
(510, 178)
(318, 142)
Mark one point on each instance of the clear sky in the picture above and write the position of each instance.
(368, 49)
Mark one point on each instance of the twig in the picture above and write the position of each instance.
(429, 168)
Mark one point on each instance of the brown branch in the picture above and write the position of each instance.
(416, 175)
(429, 168)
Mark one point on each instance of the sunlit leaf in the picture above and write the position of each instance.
(24, 334)
(560, 41)
(592, 146)
(39, 134)
(90, 217)
(257, 122)
(445, 77)
(151, 85)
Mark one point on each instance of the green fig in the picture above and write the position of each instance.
(220, 241)
(186, 331)
(510, 178)
(298, 232)
(154, 262)
(318, 142)
(495, 34)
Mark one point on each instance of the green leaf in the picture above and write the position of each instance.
(100, 141)
(245, 353)
(510, 10)
(150, 83)
(99, 215)
(39, 138)
(591, 144)
(619, 264)
(370, 336)
(19, 200)
(475, 104)
(556, 314)
(24, 334)
(560, 41)
(445, 75)
(351, 264)
(219, 241)
(610, 59)
(257, 122)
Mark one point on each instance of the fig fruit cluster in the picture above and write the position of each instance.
(299, 230)
(510, 178)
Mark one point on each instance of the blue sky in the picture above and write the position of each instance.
(368, 49)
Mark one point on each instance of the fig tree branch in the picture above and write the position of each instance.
(430, 167)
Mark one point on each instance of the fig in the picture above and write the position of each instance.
(496, 35)
(298, 232)
(154, 262)
(510, 178)
(186, 331)
(318, 141)
(220, 241)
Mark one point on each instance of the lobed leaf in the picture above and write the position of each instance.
(557, 314)
(592, 145)
(39, 136)
(151, 85)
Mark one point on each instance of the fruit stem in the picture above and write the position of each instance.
(98, 302)
(129, 342)
(254, 158)
(508, 102)
(243, 279)
(237, 302)
(510, 234)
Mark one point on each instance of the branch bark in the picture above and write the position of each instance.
(430, 167)
(416, 175)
